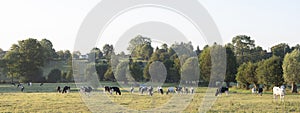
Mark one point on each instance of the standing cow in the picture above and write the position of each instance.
(115, 89)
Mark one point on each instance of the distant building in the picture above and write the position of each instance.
(83, 56)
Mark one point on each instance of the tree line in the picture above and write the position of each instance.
(246, 63)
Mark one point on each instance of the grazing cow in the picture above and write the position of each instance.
(150, 90)
(66, 89)
(29, 83)
(41, 84)
(192, 90)
(253, 90)
(115, 89)
(143, 89)
(278, 92)
(260, 91)
(131, 89)
(170, 90)
(106, 89)
(160, 90)
(186, 90)
(58, 89)
(20, 85)
(22, 88)
(222, 90)
(178, 90)
(86, 90)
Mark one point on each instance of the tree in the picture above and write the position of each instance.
(109, 75)
(101, 68)
(60, 54)
(138, 40)
(247, 75)
(122, 72)
(190, 70)
(48, 50)
(76, 54)
(108, 50)
(242, 48)
(54, 76)
(95, 54)
(25, 60)
(231, 65)
(280, 50)
(158, 72)
(291, 69)
(269, 72)
(136, 70)
(69, 76)
(205, 64)
(67, 55)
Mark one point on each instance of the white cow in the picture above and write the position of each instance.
(278, 92)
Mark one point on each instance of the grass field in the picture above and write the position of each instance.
(44, 99)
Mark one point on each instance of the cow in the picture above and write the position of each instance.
(192, 90)
(22, 88)
(160, 90)
(278, 92)
(143, 89)
(178, 90)
(86, 90)
(260, 91)
(222, 90)
(253, 90)
(170, 90)
(115, 89)
(106, 89)
(150, 90)
(58, 89)
(131, 89)
(186, 90)
(66, 89)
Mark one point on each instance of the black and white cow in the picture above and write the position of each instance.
(260, 91)
(178, 90)
(66, 89)
(143, 89)
(115, 89)
(58, 89)
(160, 90)
(222, 90)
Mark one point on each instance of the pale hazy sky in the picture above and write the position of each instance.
(268, 22)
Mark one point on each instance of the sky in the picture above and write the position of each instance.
(268, 22)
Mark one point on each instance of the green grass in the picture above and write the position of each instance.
(45, 99)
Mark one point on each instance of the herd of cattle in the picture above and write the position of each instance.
(277, 91)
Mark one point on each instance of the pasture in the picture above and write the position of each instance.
(44, 99)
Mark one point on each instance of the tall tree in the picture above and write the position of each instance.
(231, 65)
(108, 50)
(48, 50)
(190, 70)
(246, 75)
(136, 70)
(25, 60)
(205, 64)
(138, 40)
(280, 50)
(269, 72)
(242, 48)
(291, 69)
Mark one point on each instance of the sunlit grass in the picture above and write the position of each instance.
(236, 101)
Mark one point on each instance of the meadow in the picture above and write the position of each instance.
(44, 99)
